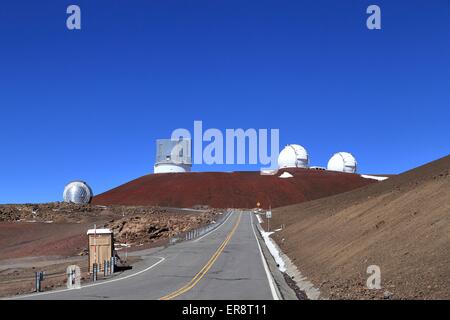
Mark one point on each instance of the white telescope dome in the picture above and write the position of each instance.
(293, 156)
(78, 192)
(171, 168)
(343, 162)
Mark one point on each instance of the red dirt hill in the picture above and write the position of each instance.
(235, 189)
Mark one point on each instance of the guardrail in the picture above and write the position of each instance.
(199, 232)
(46, 275)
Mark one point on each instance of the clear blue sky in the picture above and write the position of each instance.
(89, 104)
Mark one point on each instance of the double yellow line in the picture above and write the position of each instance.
(205, 269)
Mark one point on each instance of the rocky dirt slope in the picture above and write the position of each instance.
(401, 224)
(60, 228)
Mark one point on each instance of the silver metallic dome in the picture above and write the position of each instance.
(77, 192)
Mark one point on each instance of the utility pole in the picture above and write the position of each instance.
(95, 243)
(126, 247)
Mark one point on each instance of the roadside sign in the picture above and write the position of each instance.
(268, 217)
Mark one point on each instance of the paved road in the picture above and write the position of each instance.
(224, 264)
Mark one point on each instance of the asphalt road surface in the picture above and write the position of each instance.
(226, 263)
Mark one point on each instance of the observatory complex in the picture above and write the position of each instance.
(173, 156)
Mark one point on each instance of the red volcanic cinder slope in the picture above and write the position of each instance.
(231, 189)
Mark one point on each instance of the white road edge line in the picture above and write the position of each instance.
(266, 267)
(89, 285)
(118, 279)
(210, 232)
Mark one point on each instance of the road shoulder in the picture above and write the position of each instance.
(284, 291)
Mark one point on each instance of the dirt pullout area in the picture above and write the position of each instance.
(401, 225)
(233, 189)
(48, 237)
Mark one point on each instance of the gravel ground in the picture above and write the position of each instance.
(49, 237)
(231, 189)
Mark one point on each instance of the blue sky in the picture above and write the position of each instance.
(89, 104)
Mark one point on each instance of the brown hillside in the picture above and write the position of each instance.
(235, 189)
(401, 224)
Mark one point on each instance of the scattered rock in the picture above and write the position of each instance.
(387, 295)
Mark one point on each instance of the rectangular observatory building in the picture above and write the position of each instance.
(173, 156)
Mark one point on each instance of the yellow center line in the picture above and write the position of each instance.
(205, 268)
